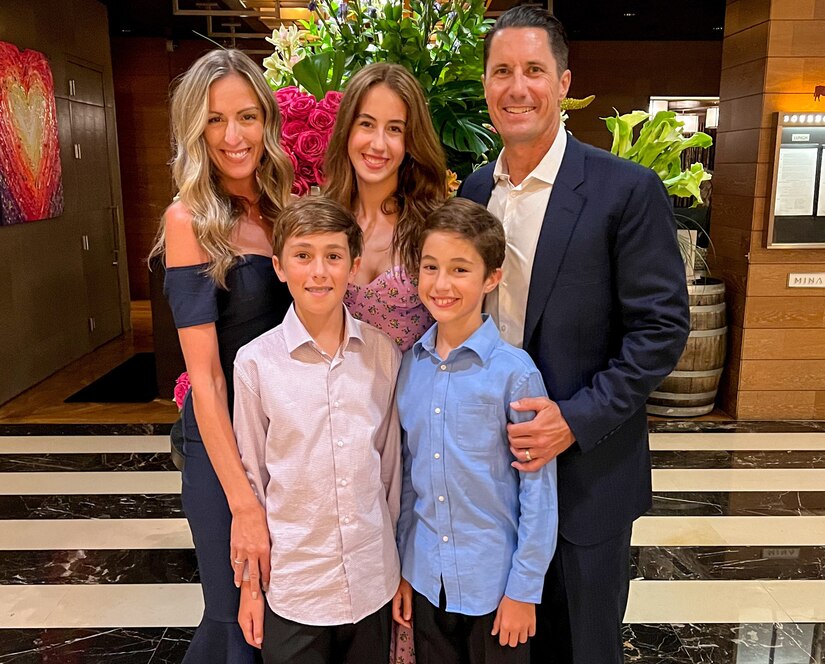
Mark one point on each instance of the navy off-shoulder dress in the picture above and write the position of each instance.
(253, 302)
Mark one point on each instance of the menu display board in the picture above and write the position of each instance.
(798, 196)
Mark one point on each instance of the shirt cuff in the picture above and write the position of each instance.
(524, 588)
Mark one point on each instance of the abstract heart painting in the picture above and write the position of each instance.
(30, 175)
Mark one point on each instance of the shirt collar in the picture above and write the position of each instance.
(296, 335)
(481, 342)
(546, 170)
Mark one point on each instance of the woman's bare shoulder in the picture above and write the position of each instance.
(182, 246)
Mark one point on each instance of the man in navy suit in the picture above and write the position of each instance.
(594, 289)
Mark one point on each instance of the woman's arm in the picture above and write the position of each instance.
(199, 343)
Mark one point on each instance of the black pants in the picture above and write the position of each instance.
(580, 617)
(453, 638)
(365, 642)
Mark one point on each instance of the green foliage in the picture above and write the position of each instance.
(441, 44)
(659, 146)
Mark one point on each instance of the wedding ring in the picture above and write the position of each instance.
(239, 562)
(527, 456)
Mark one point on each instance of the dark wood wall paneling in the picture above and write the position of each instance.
(51, 283)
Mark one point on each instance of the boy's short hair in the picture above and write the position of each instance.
(312, 215)
(472, 222)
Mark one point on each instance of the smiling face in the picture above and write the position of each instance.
(523, 87)
(316, 269)
(453, 281)
(376, 144)
(234, 130)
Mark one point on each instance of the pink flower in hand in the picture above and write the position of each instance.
(331, 101)
(181, 388)
(300, 186)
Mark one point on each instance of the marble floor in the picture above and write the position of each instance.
(96, 560)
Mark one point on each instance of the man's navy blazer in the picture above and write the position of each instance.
(607, 319)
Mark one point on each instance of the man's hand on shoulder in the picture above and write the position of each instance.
(540, 440)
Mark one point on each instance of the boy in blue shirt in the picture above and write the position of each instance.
(475, 536)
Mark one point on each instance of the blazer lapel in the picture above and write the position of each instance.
(560, 220)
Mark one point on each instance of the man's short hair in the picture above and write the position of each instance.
(473, 223)
(526, 16)
(312, 215)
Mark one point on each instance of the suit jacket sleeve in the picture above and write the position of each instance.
(648, 278)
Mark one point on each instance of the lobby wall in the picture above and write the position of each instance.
(55, 282)
(624, 75)
(143, 71)
(774, 55)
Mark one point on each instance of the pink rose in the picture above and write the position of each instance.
(285, 95)
(306, 172)
(181, 388)
(291, 131)
(322, 120)
(300, 107)
(300, 187)
(331, 101)
(311, 145)
(318, 169)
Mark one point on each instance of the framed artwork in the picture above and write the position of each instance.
(30, 177)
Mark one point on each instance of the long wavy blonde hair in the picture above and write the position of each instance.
(422, 177)
(215, 212)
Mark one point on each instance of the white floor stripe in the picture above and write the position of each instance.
(739, 479)
(664, 480)
(90, 534)
(703, 442)
(712, 602)
(791, 531)
(180, 605)
(83, 483)
(113, 605)
(82, 444)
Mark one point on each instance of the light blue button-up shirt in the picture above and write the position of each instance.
(467, 516)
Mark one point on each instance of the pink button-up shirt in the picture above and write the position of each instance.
(320, 441)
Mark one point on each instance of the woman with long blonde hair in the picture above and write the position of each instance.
(233, 179)
(386, 163)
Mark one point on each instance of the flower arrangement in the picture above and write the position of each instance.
(440, 43)
(305, 132)
(181, 388)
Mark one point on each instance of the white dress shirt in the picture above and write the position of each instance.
(521, 210)
(320, 441)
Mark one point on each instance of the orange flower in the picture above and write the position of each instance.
(452, 182)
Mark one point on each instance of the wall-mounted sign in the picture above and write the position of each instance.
(797, 208)
(806, 280)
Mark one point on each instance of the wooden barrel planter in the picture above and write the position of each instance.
(690, 390)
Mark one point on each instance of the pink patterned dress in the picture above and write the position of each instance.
(390, 302)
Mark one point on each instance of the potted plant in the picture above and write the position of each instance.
(690, 389)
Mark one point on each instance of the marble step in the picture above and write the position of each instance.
(181, 604)
(173, 533)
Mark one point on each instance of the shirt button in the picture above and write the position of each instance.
(437, 455)
(335, 404)
(441, 499)
(343, 482)
(340, 443)
(346, 519)
(445, 539)
(444, 367)
(503, 327)
(437, 411)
